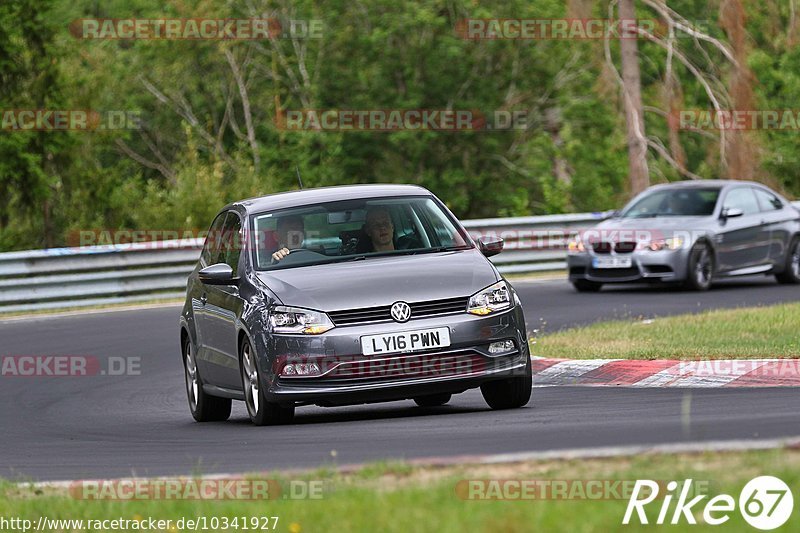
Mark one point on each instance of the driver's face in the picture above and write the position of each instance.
(379, 227)
(291, 235)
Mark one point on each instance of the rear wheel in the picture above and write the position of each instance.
(433, 400)
(584, 285)
(791, 272)
(262, 412)
(701, 267)
(511, 392)
(204, 407)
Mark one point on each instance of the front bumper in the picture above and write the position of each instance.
(666, 265)
(350, 378)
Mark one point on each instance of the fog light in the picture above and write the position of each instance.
(501, 346)
(301, 369)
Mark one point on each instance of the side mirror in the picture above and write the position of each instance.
(731, 212)
(219, 274)
(490, 245)
(616, 213)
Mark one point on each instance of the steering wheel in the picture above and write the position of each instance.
(294, 251)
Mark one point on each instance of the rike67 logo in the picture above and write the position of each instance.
(765, 503)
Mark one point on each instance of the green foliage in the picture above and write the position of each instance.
(193, 153)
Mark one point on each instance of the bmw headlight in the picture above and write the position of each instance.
(672, 243)
(298, 321)
(492, 299)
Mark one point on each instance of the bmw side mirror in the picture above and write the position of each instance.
(490, 245)
(219, 274)
(731, 212)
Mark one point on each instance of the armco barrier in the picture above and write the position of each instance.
(96, 275)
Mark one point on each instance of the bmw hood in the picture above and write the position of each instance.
(645, 229)
(382, 280)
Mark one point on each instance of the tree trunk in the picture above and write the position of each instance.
(632, 100)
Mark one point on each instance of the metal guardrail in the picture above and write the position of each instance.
(61, 278)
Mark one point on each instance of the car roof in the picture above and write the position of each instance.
(704, 184)
(319, 195)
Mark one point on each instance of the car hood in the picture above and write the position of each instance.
(657, 223)
(382, 280)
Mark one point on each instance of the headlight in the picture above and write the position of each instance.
(576, 246)
(662, 244)
(492, 299)
(298, 321)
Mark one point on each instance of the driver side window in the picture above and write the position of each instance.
(742, 198)
(231, 242)
(211, 247)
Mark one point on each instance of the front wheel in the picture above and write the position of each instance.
(204, 407)
(701, 268)
(791, 272)
(262, 412)
(511, 392)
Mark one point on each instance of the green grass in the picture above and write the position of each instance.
(413, 498)
(755, 332)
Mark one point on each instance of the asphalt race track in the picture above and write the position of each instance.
(111, 426)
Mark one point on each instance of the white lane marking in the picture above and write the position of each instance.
(571, 453)
(566, 372)
(702, 374)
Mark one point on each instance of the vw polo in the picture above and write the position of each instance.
(348, 295)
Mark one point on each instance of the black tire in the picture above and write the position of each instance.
(509, 393)
(584, 285)
(700, 273)
(433, 400)
(791, 270)
(262, 412)
(204, 407)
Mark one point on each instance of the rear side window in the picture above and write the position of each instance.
(768, 201)
(742, 198)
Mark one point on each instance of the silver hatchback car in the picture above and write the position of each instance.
(691, 232)
(348, 295)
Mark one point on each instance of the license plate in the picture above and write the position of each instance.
(405, 341)
(612, 262)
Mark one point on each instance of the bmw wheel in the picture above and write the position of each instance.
(204, 407)
(701, 267)
(262, 412)
(791, 272)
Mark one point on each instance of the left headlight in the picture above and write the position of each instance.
(492, 299)
(298, 321)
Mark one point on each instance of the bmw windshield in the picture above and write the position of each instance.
(687, 202)
(353, 230)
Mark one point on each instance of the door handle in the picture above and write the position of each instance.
(204, 298)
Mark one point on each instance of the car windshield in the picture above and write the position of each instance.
(353, 230)
(686, 202)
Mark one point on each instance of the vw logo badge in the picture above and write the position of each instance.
(401, 312)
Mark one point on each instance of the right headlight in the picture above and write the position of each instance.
(298, 321)
(492, 299)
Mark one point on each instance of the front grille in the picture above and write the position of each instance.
(625, 247)
(612, 273)
(398, 367)
(367, 315)
(602, 247)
